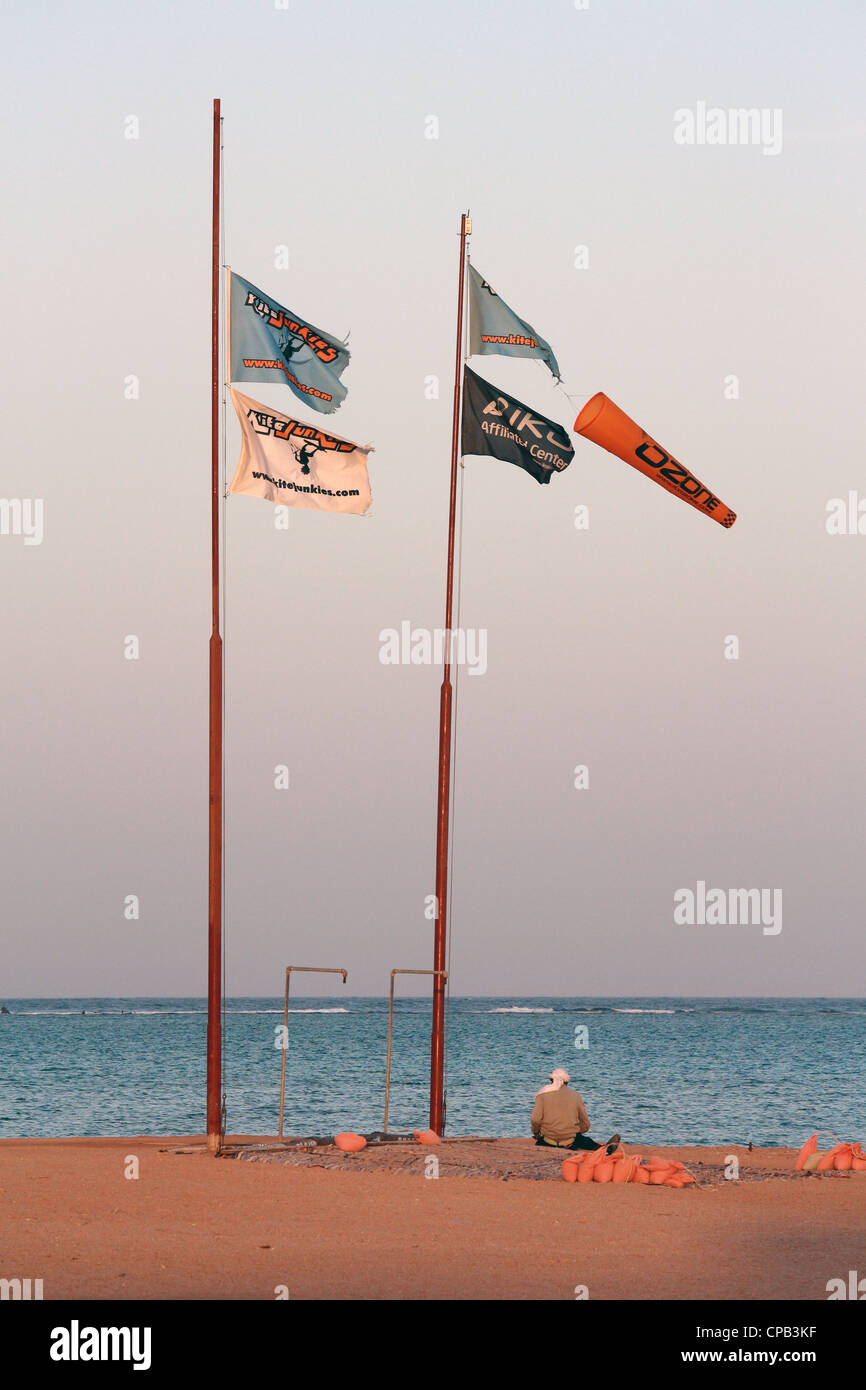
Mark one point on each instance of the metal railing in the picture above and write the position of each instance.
(310, 970)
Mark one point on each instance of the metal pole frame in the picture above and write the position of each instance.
(310, 970)
(391, 1029)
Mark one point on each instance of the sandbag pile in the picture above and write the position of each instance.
(597, 1165)
(842, 1158)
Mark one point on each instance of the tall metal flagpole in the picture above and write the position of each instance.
(437, 1042)
(215, 824)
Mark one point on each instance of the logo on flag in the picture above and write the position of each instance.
(298, 465)
(493, 327)
(269, 343)
(602, 421)
(506, 429)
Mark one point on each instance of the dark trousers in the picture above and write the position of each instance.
(580, 1141)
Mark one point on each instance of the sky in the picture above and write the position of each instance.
(718, 301)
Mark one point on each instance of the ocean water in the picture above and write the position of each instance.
(675, 1071)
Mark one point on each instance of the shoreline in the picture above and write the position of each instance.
(189, 1227)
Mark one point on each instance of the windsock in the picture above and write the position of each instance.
(605, 424)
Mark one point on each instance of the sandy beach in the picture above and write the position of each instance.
(372, 1226)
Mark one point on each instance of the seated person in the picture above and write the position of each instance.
(559, 1120)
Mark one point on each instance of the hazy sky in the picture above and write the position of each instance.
(606, 647)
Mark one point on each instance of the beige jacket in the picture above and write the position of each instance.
(558, 1116)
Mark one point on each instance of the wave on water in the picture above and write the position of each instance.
(648, 1011)
(103, 1013)
(519, 1009)
(296, 1011)
(154, 1013)
(91, 1013)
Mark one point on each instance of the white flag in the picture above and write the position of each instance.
(298, 465)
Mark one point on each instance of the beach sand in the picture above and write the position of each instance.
(372, 1226)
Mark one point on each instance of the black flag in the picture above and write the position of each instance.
(506, 429)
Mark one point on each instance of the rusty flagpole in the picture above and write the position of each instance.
(215, 822)
(437, 1042)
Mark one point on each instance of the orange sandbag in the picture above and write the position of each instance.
(603, 1172)
(810, 1147)
(591, 1160)
(571, 1164)
(574, 1161)
(426, 1136)
(827, 1159)
(678, 1180)
(640, 1174)
(654, 1162)
(658, 1176)
(844, 1161)
(605, 424)
(622, 1171)
(350, 1143)
(594, 1156)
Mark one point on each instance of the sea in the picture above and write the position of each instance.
(660, 1071)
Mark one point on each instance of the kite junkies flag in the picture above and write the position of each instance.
(297, 465)
(493, 327)
(605, 424)
(270, 343)
(506, 429)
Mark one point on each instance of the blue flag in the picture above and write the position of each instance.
(269, 343)
(493, 327)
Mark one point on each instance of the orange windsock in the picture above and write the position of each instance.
(605, 424)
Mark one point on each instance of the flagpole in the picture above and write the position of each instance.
(215, 823)
(437, 1041)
